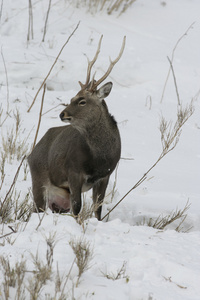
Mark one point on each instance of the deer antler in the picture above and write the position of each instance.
(112, 63)
(93, 85)
(90, 65)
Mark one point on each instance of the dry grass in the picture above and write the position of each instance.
(13, 278)
(14, 208)
(162, 222)
(120, 274)
(109, 6)
(24, 283)
(87, 212)
(83, 255)
(12, 144)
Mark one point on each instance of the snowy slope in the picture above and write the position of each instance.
(157, 264)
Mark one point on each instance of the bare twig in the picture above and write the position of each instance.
(127, 158)
(178, 285)
(13, 183)
(13, 230)
(30, 22)
(40, 116)
(1, 9)
(115, 184)
(44, 81)
(67, 278)
(7, 85)
(53, 108)
(172, 58)
(40, 219)
(46, 20)
(176, 87)
(7, 234)
(143, 178)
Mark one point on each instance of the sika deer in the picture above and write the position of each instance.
(72, 159)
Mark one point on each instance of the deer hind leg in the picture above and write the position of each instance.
(99, 190)
(37, 176)
(38, 196)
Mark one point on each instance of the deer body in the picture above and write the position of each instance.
(72, 159)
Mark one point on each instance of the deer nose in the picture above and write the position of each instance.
(62, 115)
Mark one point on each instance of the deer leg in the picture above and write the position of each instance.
(38, 195)
(75, 200)
(37, 176)
(75, 193)
(99, 190)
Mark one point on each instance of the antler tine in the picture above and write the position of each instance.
(112, 63)
(90, 65)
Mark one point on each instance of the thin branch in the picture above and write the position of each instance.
(44, 81)
(7, 234)
(45, 25)
(7, 85)
(143, 178)
(1, 10)
(40, 116)
(67, 277)
(13, 183)
(30, 22)
(127, 158)
(176, 87)
(53, 108)
(172, 58)
(40, 219)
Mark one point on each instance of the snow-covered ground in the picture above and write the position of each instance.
(154, 264)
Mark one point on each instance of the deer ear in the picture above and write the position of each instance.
(104, 91)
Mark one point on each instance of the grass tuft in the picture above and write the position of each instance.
(83, 255)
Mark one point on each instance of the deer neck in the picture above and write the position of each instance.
(101, 134)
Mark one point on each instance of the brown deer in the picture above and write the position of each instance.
(72, 159)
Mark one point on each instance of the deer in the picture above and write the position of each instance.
(79, 156)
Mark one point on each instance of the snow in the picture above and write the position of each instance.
(158, 264)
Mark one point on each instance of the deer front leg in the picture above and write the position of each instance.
(99, 190)
(75, 194)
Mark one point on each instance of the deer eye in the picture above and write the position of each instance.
(82, 102)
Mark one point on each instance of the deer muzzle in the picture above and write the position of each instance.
(65, 117)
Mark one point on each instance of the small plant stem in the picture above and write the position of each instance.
(7, 234)
(7, 85)
(172, 58)
(30, 22)
(41, 219)
(66, 280)
(46, 20)
(13, 183)
(1, 9)
(45, 79)
(175, 83)
(40, 116)
(141, 180)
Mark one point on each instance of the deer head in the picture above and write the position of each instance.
(82, 104)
